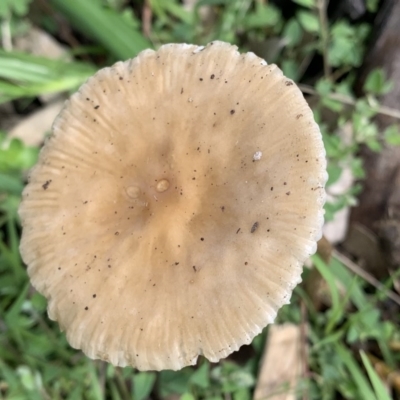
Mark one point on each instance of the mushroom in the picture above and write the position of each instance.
(173, 206)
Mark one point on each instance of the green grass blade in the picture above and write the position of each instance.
(104, 25)
(12, 314)
(26, 67)
(96, 391)
(9, 376)
(351, 283)
(337, 310)
(359, 379)
(379, 388)
(24, 75)
(329, 278)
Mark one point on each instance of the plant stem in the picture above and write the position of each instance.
(353, 267)
(121, 384)
(324, 31)
(390, 112)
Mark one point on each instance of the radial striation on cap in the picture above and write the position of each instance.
(173, 206)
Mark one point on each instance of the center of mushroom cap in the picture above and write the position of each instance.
(133, 192)
(141, 192)
(162, 185)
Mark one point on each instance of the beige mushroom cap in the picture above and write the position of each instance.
(172, 208)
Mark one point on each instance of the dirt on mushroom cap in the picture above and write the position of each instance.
(150, 225)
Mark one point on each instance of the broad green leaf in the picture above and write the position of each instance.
(290, 69)
(264, 16)
(376, 82)
(187, 396)
(374, 145)
(334, 173)
(392, 135)
(324, 86)
(293, 32)
(10, 183)
(357, 168)
(308, 21)
(242, 394)
(201, 377)
(18, 7)
(212, 2)
(172, 382)
(347, 44)
(143, 383)
(305, 3)
(333, 105)
(372, 5)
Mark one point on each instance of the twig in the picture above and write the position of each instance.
(353, 267)
(337, 74)
(394, 345)
(121, 385)
(147, 15)
(323, 23)
(390, 112)
(303, 347)
(6, 35)
(102, 366)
